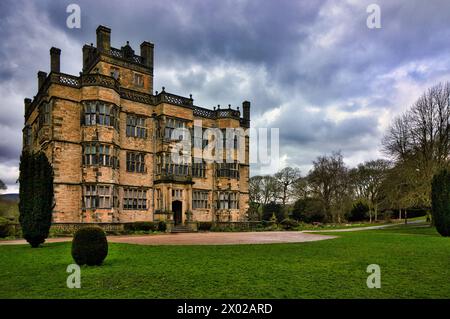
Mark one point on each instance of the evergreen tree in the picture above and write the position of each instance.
(36, 197)
(440, 202)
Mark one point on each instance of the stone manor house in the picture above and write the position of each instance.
(109, 138)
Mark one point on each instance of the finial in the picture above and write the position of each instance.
(128, 42)
(92, 44)
(190, 96)
(238, 108)
(218, 106)
(156, 93)
(229, 106)
(163, 89)
(214, 108)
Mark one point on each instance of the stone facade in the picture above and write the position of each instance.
(108, 138)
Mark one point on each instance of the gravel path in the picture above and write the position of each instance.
(361, 228)
(211, 238)
(217, 238)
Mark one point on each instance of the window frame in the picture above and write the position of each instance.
(134, 198)
(138, 80)
(136, 126)
(135, 162)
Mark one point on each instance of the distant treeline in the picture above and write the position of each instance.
(416, 145)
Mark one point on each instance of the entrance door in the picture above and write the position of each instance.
(177, 208)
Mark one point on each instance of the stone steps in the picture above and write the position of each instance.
(181, 229)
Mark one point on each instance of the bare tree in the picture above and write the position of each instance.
(269, 189)
(329, 182)
(300, 188)
(285, 179)
(397, 141)
(419, 143)
(367, 180)
(255, 196)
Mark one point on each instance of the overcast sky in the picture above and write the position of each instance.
(313, 68)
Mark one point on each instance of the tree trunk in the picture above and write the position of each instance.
(428, 216)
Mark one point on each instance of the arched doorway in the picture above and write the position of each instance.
(177, 207)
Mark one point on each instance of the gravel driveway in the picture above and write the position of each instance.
(210, 238)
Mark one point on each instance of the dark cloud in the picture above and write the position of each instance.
(9, 151)
(319, 131)
(335, 82)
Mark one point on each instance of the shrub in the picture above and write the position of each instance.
(128, 227)
(145, 226)
(358, 213)
(5, 228)
(269, 224)
(162, 226)
(288, 224)
(266, 223)
(309, 210)
(253, 212)
(89, 246)
(273, 208)
(35, 197)
(141, 226)
(440, 202)
(204, 226)
(222, 228)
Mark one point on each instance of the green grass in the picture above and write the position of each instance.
(414, 261)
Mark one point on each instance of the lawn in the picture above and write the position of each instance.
(414, 261)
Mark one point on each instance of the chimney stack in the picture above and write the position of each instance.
(27, 103)
(88, 53)
(41, 79)
(246, 111)
(103, 39)
(147, 53)
(55, 54)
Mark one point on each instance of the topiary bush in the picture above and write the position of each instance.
(89, 246)
(440, 202)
